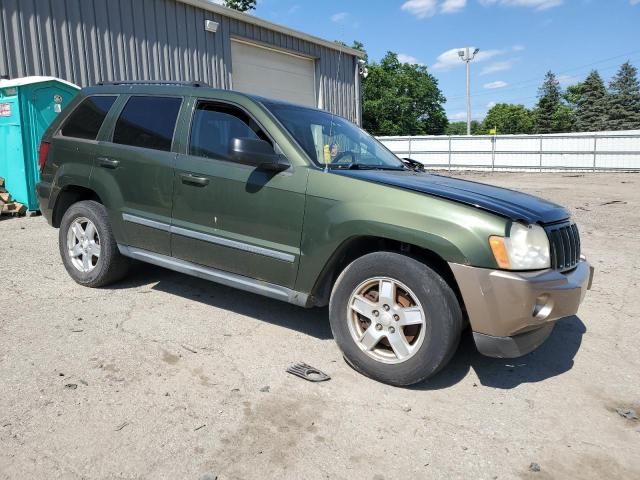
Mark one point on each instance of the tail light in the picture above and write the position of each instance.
(43, 153)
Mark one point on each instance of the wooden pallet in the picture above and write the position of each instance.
(7, 205)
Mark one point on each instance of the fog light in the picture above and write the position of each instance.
(543, 307)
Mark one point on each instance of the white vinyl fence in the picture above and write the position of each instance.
(602, 151)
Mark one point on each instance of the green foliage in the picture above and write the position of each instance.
(460, 128)
(548, 105)
(573, 94)
(509, 119)
(591, 110)
(356, 45)
(241, 5)
(563, 119)
(624, 99)
(402, 99)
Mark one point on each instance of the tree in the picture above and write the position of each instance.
(460, 128)
(509, 119)
(241, 5)
(402, 99)
(563, 119)
(572, 95)
(548, 104)
(356, 45)
(624, 99)
(591, 109)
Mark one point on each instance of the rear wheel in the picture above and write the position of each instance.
(394, 318)
(87, 246)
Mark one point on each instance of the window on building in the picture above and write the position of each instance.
(215, 124)
(148, 122)
(85, 121)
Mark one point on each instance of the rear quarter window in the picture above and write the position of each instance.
(148, 122)
(85, 121)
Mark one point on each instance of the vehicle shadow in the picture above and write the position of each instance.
(313, 322)
(552, 358)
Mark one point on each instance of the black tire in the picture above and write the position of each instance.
(111, 266)
(442, 314)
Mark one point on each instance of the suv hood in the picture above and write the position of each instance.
(502, 201)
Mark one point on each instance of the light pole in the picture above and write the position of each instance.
(466, 56)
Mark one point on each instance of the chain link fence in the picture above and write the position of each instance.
(602, 151)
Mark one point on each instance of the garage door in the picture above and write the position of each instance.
(270, 73)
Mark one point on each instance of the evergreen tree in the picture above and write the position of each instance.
(624, 99)
(591, 110)
(549, 102)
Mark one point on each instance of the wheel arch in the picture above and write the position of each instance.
(69, 195)
(356, 247)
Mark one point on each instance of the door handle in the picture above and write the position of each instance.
(190, 179)
(108, 162)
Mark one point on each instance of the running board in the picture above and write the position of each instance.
(225, 278)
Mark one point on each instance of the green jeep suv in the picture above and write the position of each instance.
(300, 205)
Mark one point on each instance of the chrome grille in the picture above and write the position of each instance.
(564, 243)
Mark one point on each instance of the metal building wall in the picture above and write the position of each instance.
(88, 41)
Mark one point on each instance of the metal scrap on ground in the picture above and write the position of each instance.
(307, 372)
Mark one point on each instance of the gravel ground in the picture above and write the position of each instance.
(166, 376)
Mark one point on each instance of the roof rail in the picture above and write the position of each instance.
(156, 82)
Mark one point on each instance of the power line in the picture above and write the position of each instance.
(526, 83)
(519, 86)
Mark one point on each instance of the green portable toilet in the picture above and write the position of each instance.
(27, 107)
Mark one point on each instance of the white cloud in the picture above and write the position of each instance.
(458, 116)
(449, 59)
(497, 67)
(634, 2)
(339, 17)
(428, 8)
(565, 80)
(452, 6)
(404, 58)
(518, 48)
(535, 4)
(496, 84)
(490, 105)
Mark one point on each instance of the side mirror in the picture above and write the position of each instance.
(256, 152)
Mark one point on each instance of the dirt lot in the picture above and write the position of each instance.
(166, 376)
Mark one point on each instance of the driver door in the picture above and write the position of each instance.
(231, 216)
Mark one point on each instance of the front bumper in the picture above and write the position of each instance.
(512, 313)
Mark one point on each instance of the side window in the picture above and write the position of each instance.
(215, 124)
(85, 121)
(148, 122)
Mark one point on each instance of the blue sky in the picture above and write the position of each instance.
(519, 39)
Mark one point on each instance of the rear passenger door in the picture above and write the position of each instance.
(230, 216)
(134, 170)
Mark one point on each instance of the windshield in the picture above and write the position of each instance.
(332, 140)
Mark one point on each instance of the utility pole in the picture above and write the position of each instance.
(466, 56)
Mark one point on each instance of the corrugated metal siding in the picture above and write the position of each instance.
(88, 41)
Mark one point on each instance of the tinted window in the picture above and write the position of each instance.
(148, 122)
(213, 127)
(85, 121)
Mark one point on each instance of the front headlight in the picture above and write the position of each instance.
(526, 247)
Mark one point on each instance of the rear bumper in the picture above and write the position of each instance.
(512, 313)
(43, 192)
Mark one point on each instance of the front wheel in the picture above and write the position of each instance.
(394, 318)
